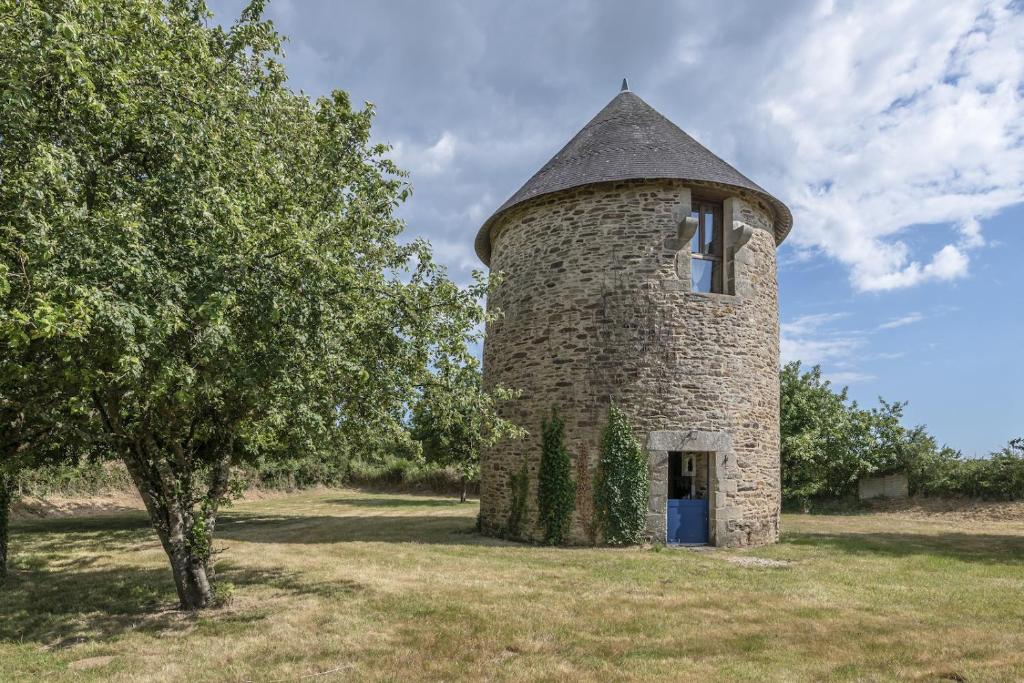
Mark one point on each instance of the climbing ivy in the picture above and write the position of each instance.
(520, 484)
(556, 493)
(623, 484)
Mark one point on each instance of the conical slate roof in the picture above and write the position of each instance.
(629, 140)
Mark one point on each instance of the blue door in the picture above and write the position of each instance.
(687, 521)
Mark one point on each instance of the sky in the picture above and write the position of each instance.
(894, 130)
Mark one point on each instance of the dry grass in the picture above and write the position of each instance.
(358, 586)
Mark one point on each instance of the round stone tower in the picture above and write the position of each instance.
(639, 269)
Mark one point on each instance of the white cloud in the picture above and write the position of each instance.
(844, 378)
(425, 161)
(895, 115)
(902, 321)
(805, 340)
(808, 323)
(878, 122)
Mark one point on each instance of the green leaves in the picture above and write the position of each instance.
(556, 494)
(201, 263)
(623, 483)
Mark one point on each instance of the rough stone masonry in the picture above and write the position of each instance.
(597, 307)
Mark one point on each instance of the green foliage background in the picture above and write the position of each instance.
(829, 443)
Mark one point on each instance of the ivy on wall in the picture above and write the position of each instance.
(556, 494)
(520, 484)
(623, 484)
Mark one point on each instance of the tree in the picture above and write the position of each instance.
(39, 419)
(829, 443)
(556, 494)
(623, 484)
(454, 419)
(229, 247)
(815, 428)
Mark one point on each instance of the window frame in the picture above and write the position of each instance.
(713, 250)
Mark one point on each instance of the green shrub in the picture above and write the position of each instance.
(85, 478)
(556, 493)
(395, 473)
(297, 473)
(520, 485)
(623, 484)
(946, 472)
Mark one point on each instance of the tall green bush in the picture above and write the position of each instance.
(624, 484)
(556, 494)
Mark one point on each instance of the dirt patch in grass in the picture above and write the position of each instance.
(90, 662)
(61, 506)
(953, 510)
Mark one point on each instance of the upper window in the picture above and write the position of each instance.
(706, 249)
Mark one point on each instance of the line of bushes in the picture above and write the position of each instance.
(91, 478)
(946, 473)
(86, 478)
(829, 443)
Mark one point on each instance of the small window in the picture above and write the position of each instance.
(706, 248)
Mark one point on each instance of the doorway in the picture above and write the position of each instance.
(689, 474)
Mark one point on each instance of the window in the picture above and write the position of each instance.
(707, 248)
(688, 475)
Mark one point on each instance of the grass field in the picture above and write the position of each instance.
(342, 585)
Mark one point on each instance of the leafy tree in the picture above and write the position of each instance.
(39, 419)
(829, 443)
(556, 494)
(227, 249)
(818, 432)
(623, 485)
(452, 433)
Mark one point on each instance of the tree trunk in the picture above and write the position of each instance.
(465, 489)
(174, 521)
(6, 494)
(190, 578)
(166, 474)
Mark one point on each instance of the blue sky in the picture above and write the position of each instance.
(893, 129)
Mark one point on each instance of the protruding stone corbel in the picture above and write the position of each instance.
(741, 234)
(686, 228)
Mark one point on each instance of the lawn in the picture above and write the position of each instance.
(357, 586)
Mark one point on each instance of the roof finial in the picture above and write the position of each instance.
(625, 86)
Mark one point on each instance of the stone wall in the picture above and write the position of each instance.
(597, 308)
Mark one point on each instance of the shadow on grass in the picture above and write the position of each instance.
(391, 502)
(965, 547)
(55, 595)
(430, 529)
(59, 608)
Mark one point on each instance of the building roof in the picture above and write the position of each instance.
(629, 140)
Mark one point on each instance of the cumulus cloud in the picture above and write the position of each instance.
(901, 116)
(425, 161)
(892, 128)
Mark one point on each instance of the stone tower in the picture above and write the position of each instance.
(639, 268)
